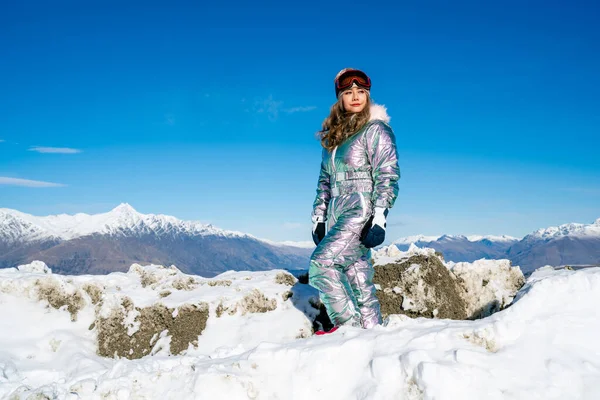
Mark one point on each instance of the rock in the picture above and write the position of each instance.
(283, 278)
(419, 286)
(60, 294)
(184, 327)
(418, 283)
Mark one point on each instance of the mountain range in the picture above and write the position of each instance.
(112, 241)
(569, 244)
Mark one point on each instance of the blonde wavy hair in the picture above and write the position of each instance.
(340, 125)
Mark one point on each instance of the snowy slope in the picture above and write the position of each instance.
(572, 230)
(416, 239)
(17, 227)
(491, 238)
(542, 347)
(122, 220)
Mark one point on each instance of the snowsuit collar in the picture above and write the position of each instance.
(379, 112)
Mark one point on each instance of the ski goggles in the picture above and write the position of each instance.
(350, 77)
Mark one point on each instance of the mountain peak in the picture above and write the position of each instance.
(124, 208)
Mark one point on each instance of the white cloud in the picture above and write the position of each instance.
(27, 183)
(273, 107)
(55, 150)
(268, 106)
(300, 109)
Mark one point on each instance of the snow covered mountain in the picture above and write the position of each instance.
(111, 241)
(572, 230)
(462, 248)
(568, 244)
(123, 220)
(107, 242)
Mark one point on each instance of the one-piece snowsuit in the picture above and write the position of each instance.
(356, 176)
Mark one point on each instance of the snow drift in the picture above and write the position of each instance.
(249, 336)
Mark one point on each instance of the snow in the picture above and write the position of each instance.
(491, 238)
(543, 346)
(16, 226)
(391, 254)
(35, 267)
(488, 283)
(417, 238)
(309, 244)
(470, 238)
(571, 229)
(122, 220)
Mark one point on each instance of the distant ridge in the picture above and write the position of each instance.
(112, 241)
(122, 220)
(567, 244)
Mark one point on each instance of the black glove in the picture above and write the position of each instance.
(318, 232)
(373, 233)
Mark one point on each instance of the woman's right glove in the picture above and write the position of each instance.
(374, 232)
(318, 232)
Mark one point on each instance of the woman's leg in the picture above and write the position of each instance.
(338, 249)
(360, 276)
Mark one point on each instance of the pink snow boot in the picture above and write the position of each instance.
(319, 333)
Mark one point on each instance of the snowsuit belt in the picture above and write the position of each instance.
(347, 182)
(354, 187)
(349, 175)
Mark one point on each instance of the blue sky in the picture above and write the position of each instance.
(209, 111)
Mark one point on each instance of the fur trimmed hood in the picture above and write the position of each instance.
(379, 112)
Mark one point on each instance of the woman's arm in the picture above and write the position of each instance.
(383, 157)
(321, 202)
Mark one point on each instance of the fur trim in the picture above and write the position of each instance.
(379, 112)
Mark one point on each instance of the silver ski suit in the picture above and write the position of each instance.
(356, 176)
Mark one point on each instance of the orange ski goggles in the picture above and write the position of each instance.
(350, 77)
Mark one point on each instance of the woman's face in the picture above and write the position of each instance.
(354, 99)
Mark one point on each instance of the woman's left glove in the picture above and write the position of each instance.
(374, 232)
(318, 232)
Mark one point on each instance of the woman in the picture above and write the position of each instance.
(358, 183)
